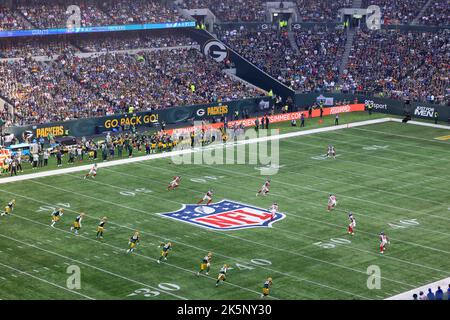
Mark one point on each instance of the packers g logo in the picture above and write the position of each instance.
(201, 112)
(215, 50)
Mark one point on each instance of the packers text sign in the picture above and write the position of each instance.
(133, 121)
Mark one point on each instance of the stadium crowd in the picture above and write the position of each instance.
(127, 42)
(321, 10)
(111, 83)
(45, 14)
(314, 66)
(41, 92)
(437, 14)
(399, 64)
(230, 10)
(33, 48)
(9, 20)
(157, 79)
(398, 11)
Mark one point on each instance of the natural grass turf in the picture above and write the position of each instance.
(406, 180)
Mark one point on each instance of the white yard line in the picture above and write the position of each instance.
(188, 151)
(140, 255)
(228, 235)
(408, 295)
(205, 250)
(91, 266)
(45, 281)
(219, 146)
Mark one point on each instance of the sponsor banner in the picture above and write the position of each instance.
(272, 119)
(213, 111)
(376, 106)
(114, 28)
(225, 215)
(135, 120)
(91, 126)
(424, 112)
(45, 131)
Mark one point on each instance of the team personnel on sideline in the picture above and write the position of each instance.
(165, 251)
(331, 202)
(77, 223)
(175, 183)
(222, 274)
(352, 225)
(56, 216)
(206, 264)
(133, 242)
(264, 189)
(9, 207)
(384, 241)
(266, 287)
(207, 197)
(101, 228)
(92, 172)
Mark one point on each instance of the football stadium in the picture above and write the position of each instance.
(224, 150)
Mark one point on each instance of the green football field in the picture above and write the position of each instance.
(394, 178)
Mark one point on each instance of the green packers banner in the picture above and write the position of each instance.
(171, 116)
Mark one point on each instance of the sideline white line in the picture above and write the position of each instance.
(408, 295)
(189, 151)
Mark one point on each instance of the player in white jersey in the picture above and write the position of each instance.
(331, 202)
(273, 210)
(264, 189)
(352, 225)
(207, 197)
(92, 172)
(175, 183)
(384, 241)
(331, 152)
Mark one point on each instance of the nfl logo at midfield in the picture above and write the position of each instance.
(225, 215)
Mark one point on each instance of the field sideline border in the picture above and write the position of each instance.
(408, 295)
(188, 151)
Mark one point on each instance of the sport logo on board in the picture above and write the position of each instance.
(225, 215)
